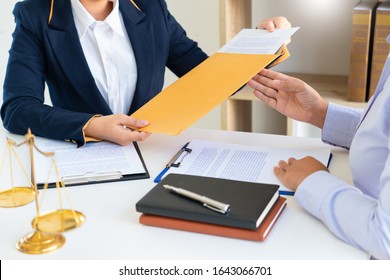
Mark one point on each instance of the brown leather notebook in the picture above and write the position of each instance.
(260, 234)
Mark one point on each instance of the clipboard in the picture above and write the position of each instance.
(92, 177)
(274, 154)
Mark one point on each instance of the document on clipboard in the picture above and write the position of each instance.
(96, 162)
(237, 162)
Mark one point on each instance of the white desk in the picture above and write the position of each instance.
(112, 231)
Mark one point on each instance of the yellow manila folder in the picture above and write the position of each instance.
(195, 94)
(214, 80)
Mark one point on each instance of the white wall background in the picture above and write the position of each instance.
(320, 46)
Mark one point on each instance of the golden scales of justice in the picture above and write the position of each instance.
(48, 227)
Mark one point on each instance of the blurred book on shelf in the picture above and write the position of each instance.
(359, 70)
(380, 48)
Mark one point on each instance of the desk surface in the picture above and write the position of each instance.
(112, 231)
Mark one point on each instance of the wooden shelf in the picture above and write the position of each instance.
(235, 15)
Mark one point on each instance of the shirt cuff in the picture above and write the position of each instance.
(317, 190)
(89, 138)
(340, 133)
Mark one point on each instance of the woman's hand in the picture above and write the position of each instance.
(294, 171)
(274, 23)
(117, 128)
(290, 96)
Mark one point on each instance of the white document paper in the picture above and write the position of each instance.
(258, 41)
(241, 162)
(92, 162)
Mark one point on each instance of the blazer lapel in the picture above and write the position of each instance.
(67, 50)
(140, 32)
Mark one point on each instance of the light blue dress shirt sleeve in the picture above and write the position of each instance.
(359, 214)
(340, 125)
(357, 218)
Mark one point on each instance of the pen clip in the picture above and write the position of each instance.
(178, 157)
(223, 211)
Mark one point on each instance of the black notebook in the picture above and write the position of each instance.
(249, 202)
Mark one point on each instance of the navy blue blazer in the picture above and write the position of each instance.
(51, 52)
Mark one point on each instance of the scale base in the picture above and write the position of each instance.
(40, 243)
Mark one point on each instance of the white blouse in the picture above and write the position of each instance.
(109, 54)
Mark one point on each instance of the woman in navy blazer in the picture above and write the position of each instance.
(46, 49)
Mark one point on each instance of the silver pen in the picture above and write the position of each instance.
(206, 201)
